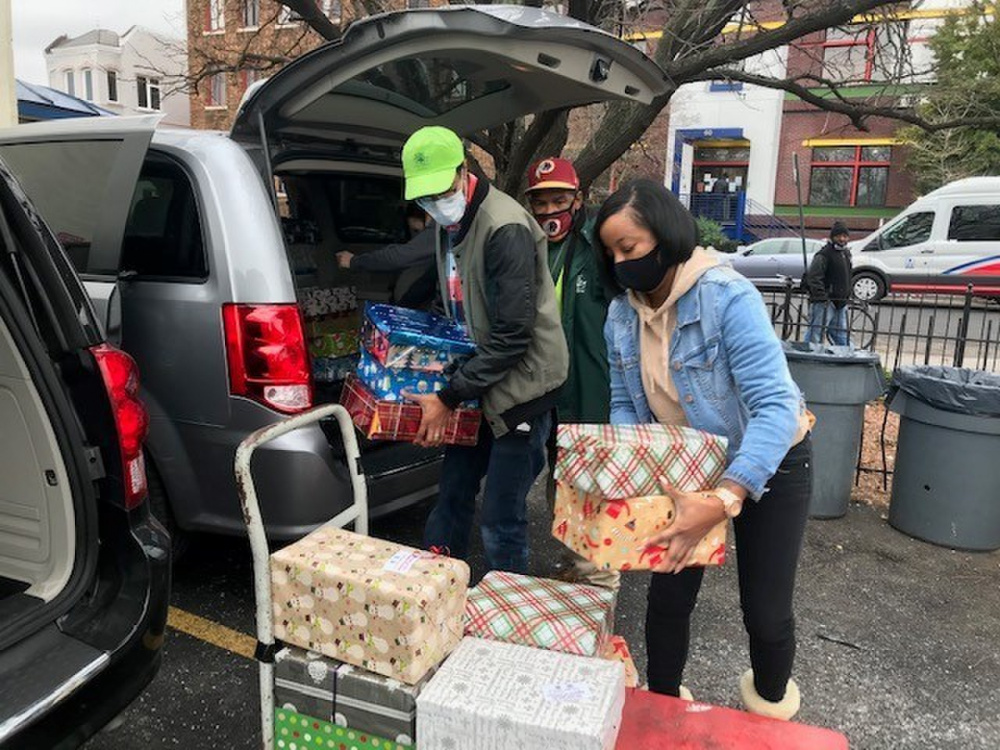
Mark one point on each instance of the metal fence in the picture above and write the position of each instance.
(960, 330)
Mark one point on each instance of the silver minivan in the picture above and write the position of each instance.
(182, 246)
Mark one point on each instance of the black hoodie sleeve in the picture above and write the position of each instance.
(816, 278)
(511, 292)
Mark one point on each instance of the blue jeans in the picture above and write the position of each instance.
(827, 317)
(510, 464)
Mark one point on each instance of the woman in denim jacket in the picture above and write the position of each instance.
(690, 343)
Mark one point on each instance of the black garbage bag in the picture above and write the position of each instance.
(953, 389)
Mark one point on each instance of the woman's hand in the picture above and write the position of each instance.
(695, 514)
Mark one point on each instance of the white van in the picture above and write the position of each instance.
(941, 243)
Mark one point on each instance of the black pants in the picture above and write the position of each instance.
(768, 542)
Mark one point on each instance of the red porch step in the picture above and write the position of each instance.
(659, 722)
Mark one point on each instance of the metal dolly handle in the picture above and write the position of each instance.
(357, 512)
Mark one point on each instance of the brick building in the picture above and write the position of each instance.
(750, 134)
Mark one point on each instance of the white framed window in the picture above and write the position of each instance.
(216, 94)
(215, 16)
(249, 77)
(287, 16)
(251, 14)
(69, 82)
(88, 84)
(418, 3)
(112, 85)
(148, 92)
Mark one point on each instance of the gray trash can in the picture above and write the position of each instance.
(837, 382)
(946, 483)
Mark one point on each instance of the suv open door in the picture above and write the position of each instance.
(464, 67)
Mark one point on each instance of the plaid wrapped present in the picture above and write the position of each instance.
(399, 338)
(623, 461)
(616, 649)
(553, 615)
(388, 384)
(610, 533)
(388, 420)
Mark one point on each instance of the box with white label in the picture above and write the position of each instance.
(392, 610)
(499, 696)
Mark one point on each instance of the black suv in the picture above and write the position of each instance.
(84, 567)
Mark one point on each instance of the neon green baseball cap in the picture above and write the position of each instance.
(430, 158)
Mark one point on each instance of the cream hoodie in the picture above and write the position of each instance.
(656, 326)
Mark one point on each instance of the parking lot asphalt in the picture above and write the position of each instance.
(899, 641)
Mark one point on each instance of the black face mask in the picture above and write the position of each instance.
(642, 274)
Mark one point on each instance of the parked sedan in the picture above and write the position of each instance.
(766, 261)
(84, 567)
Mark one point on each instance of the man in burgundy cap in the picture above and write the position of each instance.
(556, 201)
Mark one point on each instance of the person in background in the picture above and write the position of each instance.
(555, 200)
(829, 283)
(722, 184)
(690, 343)
(417, 251)
(494, 279)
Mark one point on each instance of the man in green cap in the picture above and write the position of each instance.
(494, 279)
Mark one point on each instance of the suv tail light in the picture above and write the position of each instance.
(121, 378)
(266, 351)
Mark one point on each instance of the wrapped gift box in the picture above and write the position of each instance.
(387, 420)
(616, 649)
(293, 729)
(349, 696)
(538, 612)
(388, 384)
(334, 345)
(399, 338)
(623, 461)
(333, 369)
(319, 301)
(390, 609)
(500, 696)
(609, 532)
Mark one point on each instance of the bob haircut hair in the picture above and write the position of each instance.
(656, 209)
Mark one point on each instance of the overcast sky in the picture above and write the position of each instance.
(38, 22)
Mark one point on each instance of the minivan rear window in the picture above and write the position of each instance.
(366, 209)
(974, 223)
(425, 86)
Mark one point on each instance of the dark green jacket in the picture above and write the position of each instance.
(586, 397)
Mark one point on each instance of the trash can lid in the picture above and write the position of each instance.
(829, 354)
(955, 389)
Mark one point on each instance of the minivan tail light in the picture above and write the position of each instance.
(266, 352)
(121, 379)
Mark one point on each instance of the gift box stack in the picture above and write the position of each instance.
(406, 350)
(609, 491)
(366, 622)
(331, 327)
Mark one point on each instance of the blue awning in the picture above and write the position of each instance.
(35, 102)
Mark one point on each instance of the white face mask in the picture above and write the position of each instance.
(446, 211)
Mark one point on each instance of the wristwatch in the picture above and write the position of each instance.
(731, 503)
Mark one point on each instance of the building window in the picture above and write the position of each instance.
(70, 82)
(248, 77)
(217, 90)
(418, 3)
(112, 86)
(215, 15)
(287, 16)
(333, 9)
(149, 92)
(88, 84)
(251, 14)
(849, 175)
(861, 53)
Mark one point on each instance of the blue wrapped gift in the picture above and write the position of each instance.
(403, 339)
(388, 384)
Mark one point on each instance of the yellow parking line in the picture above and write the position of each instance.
(211, 632)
